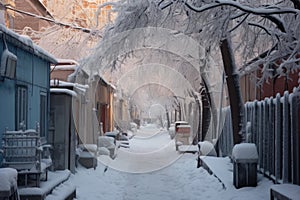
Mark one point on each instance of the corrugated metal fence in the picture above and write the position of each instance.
(275, 131)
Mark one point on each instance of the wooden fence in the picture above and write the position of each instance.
(273, 125)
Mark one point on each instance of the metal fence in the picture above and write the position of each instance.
(273, 125)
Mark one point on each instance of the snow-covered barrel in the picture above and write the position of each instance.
(245, 158)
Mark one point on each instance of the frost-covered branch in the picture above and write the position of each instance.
(260, 26)
(267, 10)
(240, 23)
(86, 30)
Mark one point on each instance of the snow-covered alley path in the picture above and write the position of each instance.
(152, 169)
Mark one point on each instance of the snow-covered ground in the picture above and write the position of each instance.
(152, 169)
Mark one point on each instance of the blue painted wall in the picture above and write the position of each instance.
(32, 72)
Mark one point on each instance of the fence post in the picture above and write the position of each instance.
(260, 135)
(278, 139)
(255, 127)
(266, 138)
(271, 136)
(286, 138)
(294, 111)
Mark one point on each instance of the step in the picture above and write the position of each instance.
(65, 191)
(46, 187)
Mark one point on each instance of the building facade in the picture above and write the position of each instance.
(24, 83)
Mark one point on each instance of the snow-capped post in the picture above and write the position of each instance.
(245, 158)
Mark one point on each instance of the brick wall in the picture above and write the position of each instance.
(81, 12)
(31, 6)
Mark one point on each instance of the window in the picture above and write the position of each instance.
(43, 113)
(21, 107)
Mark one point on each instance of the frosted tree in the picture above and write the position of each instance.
(144, 33)
(164, 33)
(269, 31)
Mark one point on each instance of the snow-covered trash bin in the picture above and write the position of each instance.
(245, 158)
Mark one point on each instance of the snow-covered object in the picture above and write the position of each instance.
(62, 192)
(103, 151)
(63, 91)
(133, 126)
(206, 149)
(66, 84)
(89, 147)
(64, 67)
(291, 191)
(7, 60)
(105, 141)
(109, 143)
(26, 43)
(245, 152)
(86, 154)
(8, 179)
(172, 131)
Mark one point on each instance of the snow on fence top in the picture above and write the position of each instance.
(26, 43)
(245, 152)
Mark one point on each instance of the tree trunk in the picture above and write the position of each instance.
(233, 85)
(168, 119)
(207, 112)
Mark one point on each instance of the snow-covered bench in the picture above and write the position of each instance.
(285, 192)
(22, 150)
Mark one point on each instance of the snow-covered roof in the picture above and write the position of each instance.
(64, 67)
(64, 61)
(184, 126)
(68, 84)
(105, 81)
(63, 91)
(26, 44)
